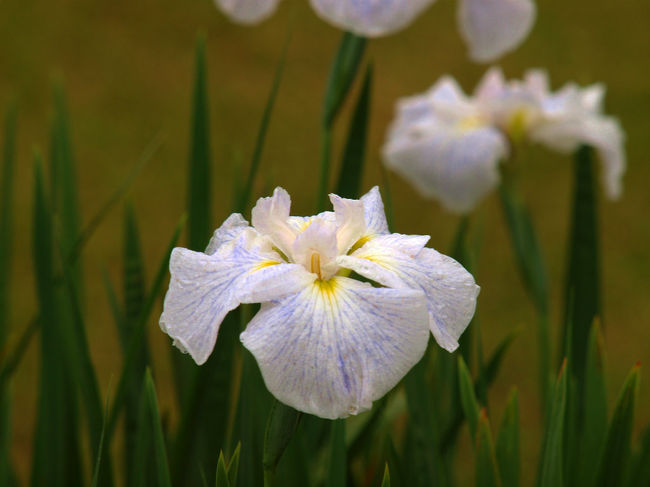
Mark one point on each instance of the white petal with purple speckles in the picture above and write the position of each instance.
(450, 290)
(204, 288)
(337, 346)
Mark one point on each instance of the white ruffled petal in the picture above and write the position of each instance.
(603, 133)
(204, 288)
(454, 165)
(350, 220)
(450, 290)
(232, 228)
(247, 11)
(370, 18)
(376, 223)
(493, 27)
(270, 217)
(337, 346)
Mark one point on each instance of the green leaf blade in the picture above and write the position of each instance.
(351, 174)
(507, 444)
(551, 462)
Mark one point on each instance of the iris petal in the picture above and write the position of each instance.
(337, 346)
(248, 11)
(204, 288)
(493, 27)
(370, 18)
(450, 290)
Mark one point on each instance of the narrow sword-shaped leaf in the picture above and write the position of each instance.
(139, 334)
(468, 397)
(351, 173)
(222, 472)
(615, 457)
(507, 445)
(280, 428)
(532, 269)
(342, 74)
(593, 420)
(487, 470)
(159, 449)
(551, 471)
(6, 236)
(233, 466)
(336, 472)
(56, 459)
(582, 288)
(639, 472)
(244, 199)
(386, 480)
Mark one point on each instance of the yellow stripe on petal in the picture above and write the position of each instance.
(264, 264)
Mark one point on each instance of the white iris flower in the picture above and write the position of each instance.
(448, 145)
(489, 27)
(326, 343)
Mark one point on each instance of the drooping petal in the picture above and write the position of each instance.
(270, 217)
(450, 290)
(603, 133)
(247, 11)
(337, 346)
(456, 165)
(234, 225)
(204, 288)
(376, 223)
(370, 18)
(350, 220)
(493, 27)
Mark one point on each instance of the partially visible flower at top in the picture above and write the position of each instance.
(326, 343)
(490, 28)
(449, 145)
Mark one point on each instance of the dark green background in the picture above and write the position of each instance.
(128, 68)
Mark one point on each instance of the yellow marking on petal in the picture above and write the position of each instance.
(327, 289)
(470, 123)
(360, 243)
(305, 225)
(315, 264)
(517, 125)
(263, 264)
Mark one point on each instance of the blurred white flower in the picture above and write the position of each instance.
(448, 145)
(326, 343)
(490, 28)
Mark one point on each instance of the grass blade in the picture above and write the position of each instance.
(280, 428)
(386, 480)
(233, 466)
(468, 397)
(139, 334)
(532, 269)
(616, 453)
(245, 196)
(349, 185)
(222, 472)
(640, 469)
(160, 451)
(593, 420)
(134, 298)
(507, 448)
(583, 275)
(6, 237)
(198, 192)
(487, 471)
(100, 449)
(56, 460)
(342, 74)
(337, 467)
(551, 461)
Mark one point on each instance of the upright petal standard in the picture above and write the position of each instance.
(326, 344)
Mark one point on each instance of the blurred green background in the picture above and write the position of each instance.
(128, 66)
